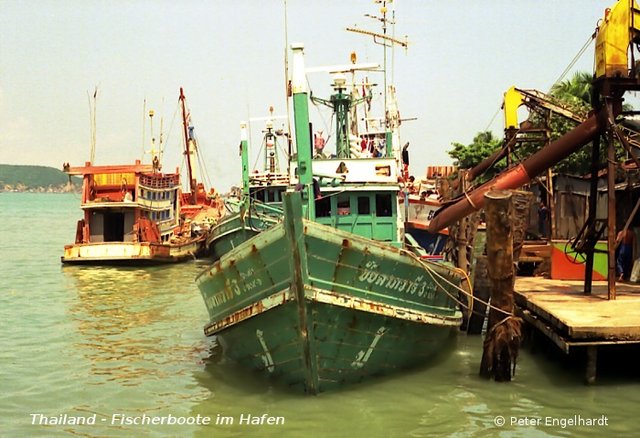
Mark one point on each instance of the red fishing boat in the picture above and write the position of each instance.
(136, 214)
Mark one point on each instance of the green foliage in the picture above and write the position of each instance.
(33, 176)
(483, 145)
(575, 91)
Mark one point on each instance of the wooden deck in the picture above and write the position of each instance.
(561, 311)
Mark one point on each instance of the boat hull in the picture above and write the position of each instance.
(350, 345)
(234, 230)
(131, 253)
(319, 308)
(432, 243)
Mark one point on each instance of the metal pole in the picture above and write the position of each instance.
(593, 208)
(611, 207)
(522, 173)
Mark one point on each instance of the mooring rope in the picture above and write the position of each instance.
(432, 272)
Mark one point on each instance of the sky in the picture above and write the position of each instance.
(229, 57)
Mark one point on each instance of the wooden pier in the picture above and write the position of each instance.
(560, 310)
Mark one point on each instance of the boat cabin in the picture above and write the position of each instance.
(267, 194)
(128, 204)
(358, 195)
(367, 213)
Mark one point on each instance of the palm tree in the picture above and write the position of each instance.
(576, 90)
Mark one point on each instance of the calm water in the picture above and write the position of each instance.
(105, 341)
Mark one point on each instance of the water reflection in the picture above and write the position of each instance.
(130, 320)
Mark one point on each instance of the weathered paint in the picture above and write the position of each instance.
(131, 252)
(239, 227)
(363, 357)
(319, 296)
(566, 264)
(268, 360)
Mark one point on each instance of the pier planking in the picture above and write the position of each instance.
(580, 319)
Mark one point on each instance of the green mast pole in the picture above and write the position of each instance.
(244, 155)
(301, 122)
(342, 106)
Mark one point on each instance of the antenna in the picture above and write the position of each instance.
(92, 119)
(144, 119)
(286, 78)
(383, 39)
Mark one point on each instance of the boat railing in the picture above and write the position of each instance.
(159, 181)
(269, 179)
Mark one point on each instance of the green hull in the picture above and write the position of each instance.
(233, 231)
(350, 345)
(318, 308)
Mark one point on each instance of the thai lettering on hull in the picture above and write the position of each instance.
(234, 287)
(420, 287)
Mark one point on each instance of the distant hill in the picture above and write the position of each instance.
(36, 178)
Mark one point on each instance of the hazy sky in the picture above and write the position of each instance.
(228, 56)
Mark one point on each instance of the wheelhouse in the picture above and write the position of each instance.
(367, 213)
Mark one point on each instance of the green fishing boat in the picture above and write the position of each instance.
(260, 206)
(331, 295)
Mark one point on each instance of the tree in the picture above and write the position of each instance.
(575, 91)
(575, 94)
(483, 145)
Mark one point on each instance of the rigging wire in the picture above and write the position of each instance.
(255, 164)
(324, 121)
(493, 118)
(573, 61)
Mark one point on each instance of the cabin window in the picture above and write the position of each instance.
(271, 196)
(344, 205)
(323, 207)
(364, 205)
(383, 205)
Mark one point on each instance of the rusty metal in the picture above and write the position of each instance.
(365, 305)
(298, 266)
(611, 207)
(593, 204)
(485, 164)
(522, 174)
(247, 312)
(534, 100)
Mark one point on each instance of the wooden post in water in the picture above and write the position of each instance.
(503, 329)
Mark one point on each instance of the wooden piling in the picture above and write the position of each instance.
(503, 329)
(481, 291)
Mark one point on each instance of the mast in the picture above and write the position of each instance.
(244, 155)
(271, 163)
(301, 123)
(187, 148)
(341, 104)
(287, 82)
(92, 117)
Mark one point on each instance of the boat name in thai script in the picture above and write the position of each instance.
(420, 287)
(235, 287)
